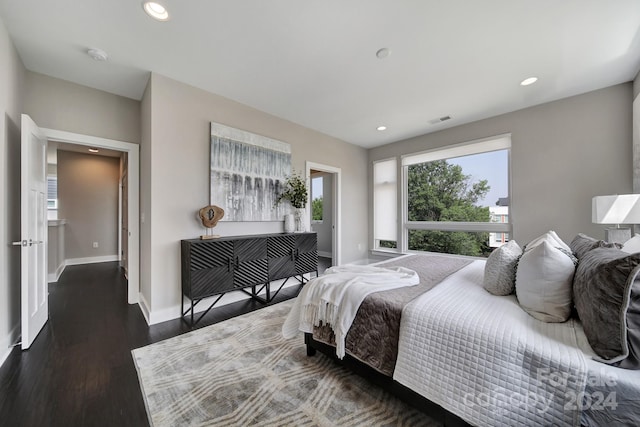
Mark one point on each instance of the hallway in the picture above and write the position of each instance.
(79, 370)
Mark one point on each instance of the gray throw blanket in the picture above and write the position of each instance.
(373, 337)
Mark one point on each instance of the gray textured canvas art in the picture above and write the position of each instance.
(247, 174)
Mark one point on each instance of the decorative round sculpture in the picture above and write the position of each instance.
(210, 215)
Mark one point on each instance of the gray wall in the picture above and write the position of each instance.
(145, 196)
(178, 179)
(11, 88)
(88, 200)
(61, 105)
(563, 153)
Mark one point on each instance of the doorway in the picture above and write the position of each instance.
(130, 238)
(83, 200)
(325, 196)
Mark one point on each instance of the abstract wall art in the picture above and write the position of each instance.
(247, 172)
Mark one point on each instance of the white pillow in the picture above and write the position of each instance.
(500, 269)
(544, 282)
(632, 245)
(551, 237)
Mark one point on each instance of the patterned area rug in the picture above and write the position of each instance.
(241, 372)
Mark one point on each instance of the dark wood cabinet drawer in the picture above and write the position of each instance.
(206, 267)
(281, 246)
(306, 253)
(249, 273)
(249, 250)
(210, 281)
(282, 267)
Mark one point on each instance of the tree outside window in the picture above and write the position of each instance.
(316, 198)
(440, 191)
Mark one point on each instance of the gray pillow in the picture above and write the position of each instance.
(632, 245)
(500, 269)
(607, 299)
(581, 244)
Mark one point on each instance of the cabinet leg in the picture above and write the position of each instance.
(310, 351)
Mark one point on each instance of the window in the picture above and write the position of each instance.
(385, 204)
(52, 192)
(499, 214)
(458, 198)
(317, 193)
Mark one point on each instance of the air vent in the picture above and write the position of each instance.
(439, 120)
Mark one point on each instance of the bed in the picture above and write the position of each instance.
(448, 343)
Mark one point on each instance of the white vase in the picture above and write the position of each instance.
(289, 223)
(301, 223)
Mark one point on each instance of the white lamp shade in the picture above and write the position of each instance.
(617, 209)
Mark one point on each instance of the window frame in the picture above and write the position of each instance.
(457, 150)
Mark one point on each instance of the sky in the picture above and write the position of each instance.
(493, 167)
(316, 188)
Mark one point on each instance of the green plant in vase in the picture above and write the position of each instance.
(295, 192)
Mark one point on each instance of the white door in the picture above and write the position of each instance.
(124, 226)
(33, 219)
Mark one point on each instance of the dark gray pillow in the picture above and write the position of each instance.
(581, 244)
(607, 299)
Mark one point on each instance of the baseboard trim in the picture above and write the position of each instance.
(53, 277)
(175, 312)
(91, 260)
(7, 343)
(325, 254)
(144, 307)
(5, 356)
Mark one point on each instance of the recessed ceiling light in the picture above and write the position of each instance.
(155, 10)
(381, 128)
(98, 54)
(94, 150)
(529, 81)
(383, 53)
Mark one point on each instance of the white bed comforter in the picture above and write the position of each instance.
(334, 298)
(485, 359)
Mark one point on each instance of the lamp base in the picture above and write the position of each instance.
(617, 235)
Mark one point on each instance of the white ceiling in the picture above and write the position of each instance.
(53, 147)
(314, 63)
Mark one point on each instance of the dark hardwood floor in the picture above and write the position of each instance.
(79, 370)
(323, 264)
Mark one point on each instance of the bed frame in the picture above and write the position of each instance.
(407, 395)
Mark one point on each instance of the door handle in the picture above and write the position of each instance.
(25, 243)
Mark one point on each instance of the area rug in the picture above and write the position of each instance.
(241, 372)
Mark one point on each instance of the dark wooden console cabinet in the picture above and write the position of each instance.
(216, 266)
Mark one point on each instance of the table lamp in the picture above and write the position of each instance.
(616, 209)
